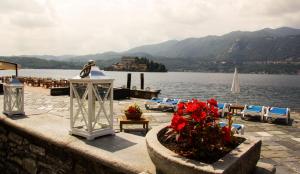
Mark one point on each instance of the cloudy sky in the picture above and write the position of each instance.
(78, 27)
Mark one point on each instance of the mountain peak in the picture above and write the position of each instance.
(280, 32)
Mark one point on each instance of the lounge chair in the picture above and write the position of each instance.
(236, 128)
(223, 108)
(165, 104)
(253, 111)
(169, 104)
(277, 113)
(153, 103)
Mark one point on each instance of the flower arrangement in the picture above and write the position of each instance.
(133, 111)
(196, 134)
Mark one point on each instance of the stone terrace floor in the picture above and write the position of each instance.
(281, 143)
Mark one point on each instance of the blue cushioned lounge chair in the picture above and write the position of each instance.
(165, 104)
(168, 104)
(237, 128)
(278, 113)
(153, 103)
(223, 108)
(253, 111)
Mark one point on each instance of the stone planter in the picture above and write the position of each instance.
(241, 160)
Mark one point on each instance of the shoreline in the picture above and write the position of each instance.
(275, 92)
(46, 91)
(184, 71)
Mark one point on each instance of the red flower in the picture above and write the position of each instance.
(131, 110)
(194, 106)
(180, 105)
(180, 108)
(202, 105)
(180, 112)
(199, 116)
(196, 117)
(203, 115)
(191, 107)
(212, 102)
(214, 112)
(227, 134)
(178, 122)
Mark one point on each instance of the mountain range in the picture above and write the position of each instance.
(265, 48)
(261, 45)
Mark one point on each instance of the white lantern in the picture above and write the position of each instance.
(91, 105)
(13, 99)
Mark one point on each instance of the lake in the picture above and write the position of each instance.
(261, 89)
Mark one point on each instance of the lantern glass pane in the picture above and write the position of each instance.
(80, 88)
(80, 105)
(102, 109)
(16, 99)
(102, 90)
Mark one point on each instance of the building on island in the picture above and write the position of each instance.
(129, 64)
(137, 64)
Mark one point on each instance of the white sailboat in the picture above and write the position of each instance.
(235, 86)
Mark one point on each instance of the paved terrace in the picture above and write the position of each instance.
(281, 143)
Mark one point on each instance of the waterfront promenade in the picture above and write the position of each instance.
(281, 143)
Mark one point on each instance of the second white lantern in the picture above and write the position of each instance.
(13, 100)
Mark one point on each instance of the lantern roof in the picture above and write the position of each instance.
(96, 73)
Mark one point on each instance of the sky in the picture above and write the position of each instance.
(78, 27)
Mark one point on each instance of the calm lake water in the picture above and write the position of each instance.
(261, 89)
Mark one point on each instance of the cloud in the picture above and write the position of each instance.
(280, 7)
(32, 21)
(27, 14)
(186, 12)
(12, 6)
(83, 27)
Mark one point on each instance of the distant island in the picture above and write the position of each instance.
(137, 64)
(266, 51)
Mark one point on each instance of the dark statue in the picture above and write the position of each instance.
(87, 68)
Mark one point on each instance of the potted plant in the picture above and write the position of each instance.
(133, 112)
(195, 142)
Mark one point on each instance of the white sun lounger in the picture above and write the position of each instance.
(165, 104)
(236, 128)
(153, 103)
(274, 113)
(253, 111)
(223, 108)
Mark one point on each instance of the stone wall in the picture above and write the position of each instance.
(22, 152)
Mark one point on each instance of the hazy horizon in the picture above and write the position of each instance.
(74, 27)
